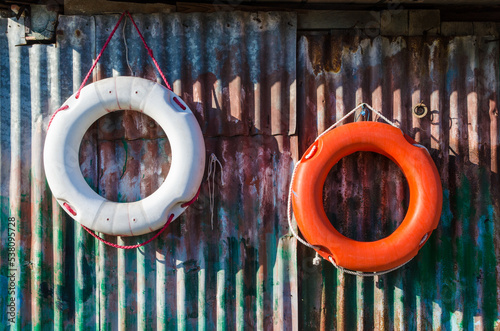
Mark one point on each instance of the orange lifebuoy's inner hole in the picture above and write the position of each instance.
(365, 196)
(125, 156)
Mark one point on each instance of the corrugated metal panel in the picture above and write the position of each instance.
(237, 73)
(452, 283)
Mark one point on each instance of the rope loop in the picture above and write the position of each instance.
(150, 51)
(363, 106)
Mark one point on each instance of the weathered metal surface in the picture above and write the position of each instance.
(237, 73)
(41, 23)
(452, 283)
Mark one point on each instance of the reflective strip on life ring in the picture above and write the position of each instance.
(423, 213)
(62, 146)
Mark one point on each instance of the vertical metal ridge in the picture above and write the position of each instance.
(40, 241)
(75, 41)
(395, 76)
(61, 305)
(490, 68)
(18, 107)
(5, 148)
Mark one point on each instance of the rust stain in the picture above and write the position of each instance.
(325, 57)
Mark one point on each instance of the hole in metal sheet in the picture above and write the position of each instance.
(125, 156)
(366, 196)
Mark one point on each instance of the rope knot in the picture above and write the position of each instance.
(317, 259)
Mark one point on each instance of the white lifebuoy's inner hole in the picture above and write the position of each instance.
(366, 196)
(125, 156)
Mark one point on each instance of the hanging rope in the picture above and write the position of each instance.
(317, 258)
(149, 50)
(99, 56)
(212, 167)
(126, 48)
(361, 105)
(87, 76)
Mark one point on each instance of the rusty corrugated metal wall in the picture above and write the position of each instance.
(452, 283)
(237, 72)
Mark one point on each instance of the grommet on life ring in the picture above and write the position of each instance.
(62, 146)
(423, 212)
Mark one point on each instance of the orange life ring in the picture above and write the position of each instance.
(422, 217)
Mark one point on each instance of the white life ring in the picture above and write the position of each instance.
(62, 146)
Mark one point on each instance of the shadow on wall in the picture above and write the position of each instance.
(232, 264)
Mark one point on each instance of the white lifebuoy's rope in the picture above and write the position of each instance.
(317, 258)
(126, 48)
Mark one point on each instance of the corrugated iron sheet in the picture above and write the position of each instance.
(237, 73)
(453, 282)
